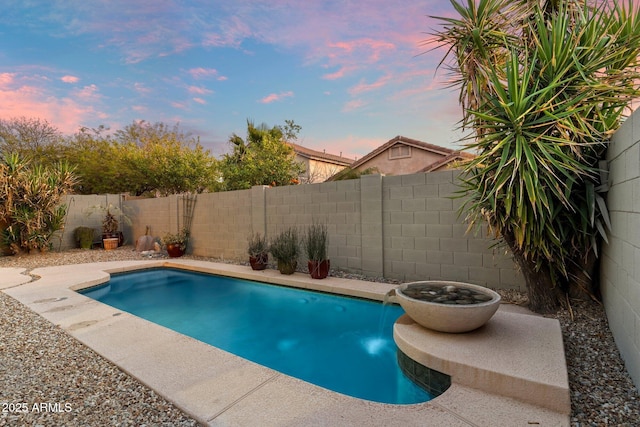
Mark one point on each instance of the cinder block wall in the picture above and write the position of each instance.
(620, 264)
(424, 239)
(158, 214)
(401, 227)
(337, 204)
(85, 211)
(221, 224)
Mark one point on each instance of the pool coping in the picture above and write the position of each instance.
(218, 388)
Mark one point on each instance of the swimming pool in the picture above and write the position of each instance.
(340, 343)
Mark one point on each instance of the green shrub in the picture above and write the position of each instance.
(30, 202)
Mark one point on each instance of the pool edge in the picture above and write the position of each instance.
(298, 401)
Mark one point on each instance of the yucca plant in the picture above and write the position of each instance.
(30, 202)
(543, 86)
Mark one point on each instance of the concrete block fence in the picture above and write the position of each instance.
(620, 264)
(400, 227)
(86, 211)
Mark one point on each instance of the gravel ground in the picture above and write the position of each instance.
(41, 364)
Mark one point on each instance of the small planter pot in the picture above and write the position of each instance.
(110, 243)
(174, 251)
(319, 269)
(259, 262)
(116, 235)
(287, 267)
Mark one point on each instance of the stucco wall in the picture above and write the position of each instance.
(418, 160)
(620, 264)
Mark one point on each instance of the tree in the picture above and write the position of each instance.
(543, 85)
(142, 158)
(348, 173)
(264, 158)
(31, 138)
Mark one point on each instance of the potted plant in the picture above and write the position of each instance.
(315, 244)
(84, 237)
(176, 244)
(285, 248)
(110, 237)
(258, 250)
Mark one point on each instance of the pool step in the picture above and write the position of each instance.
(516, 355)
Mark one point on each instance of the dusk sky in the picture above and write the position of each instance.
(350, 73)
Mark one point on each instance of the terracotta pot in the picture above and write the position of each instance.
(287, 267)
(259, 262)
(319, 269)
(174, 251)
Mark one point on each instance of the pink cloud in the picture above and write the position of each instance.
(141, 88)
(6, 79)
(205, 73)
(199, 90)
(89, 93)
(366, 87)
(178, 105)
(231, 33)
(338, 74)
(200, 101)
(369, 48)
(353, 105)
(70, 79)
(350, 146)
(67, 112)
(276, 97)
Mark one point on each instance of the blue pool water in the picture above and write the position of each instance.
(340, 343)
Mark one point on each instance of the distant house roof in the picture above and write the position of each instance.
(449, 154)
(455, 156)
(321, 155)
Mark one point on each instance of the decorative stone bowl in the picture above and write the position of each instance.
(446, 306)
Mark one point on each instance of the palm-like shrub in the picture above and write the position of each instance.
(543, 86)
(30, 202)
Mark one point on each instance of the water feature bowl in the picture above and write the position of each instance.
(445, 306)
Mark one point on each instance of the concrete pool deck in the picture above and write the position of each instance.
(510, 372)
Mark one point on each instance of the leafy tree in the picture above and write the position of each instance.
(543, 85)
(30, 202)
(31, 138)
(264, 158)
(142, 158)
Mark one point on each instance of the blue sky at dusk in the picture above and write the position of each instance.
(349, 72)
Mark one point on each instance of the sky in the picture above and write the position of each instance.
(352, 73)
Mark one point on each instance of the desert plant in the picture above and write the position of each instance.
(543, 85)
(31, 201)
(285, 248)
(180, 239)
(84, 236)
(258, 250)
(257, 245)
(315, 242)
(109, 223)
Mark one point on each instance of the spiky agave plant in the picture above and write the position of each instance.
(556, 79)
(31, 203)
